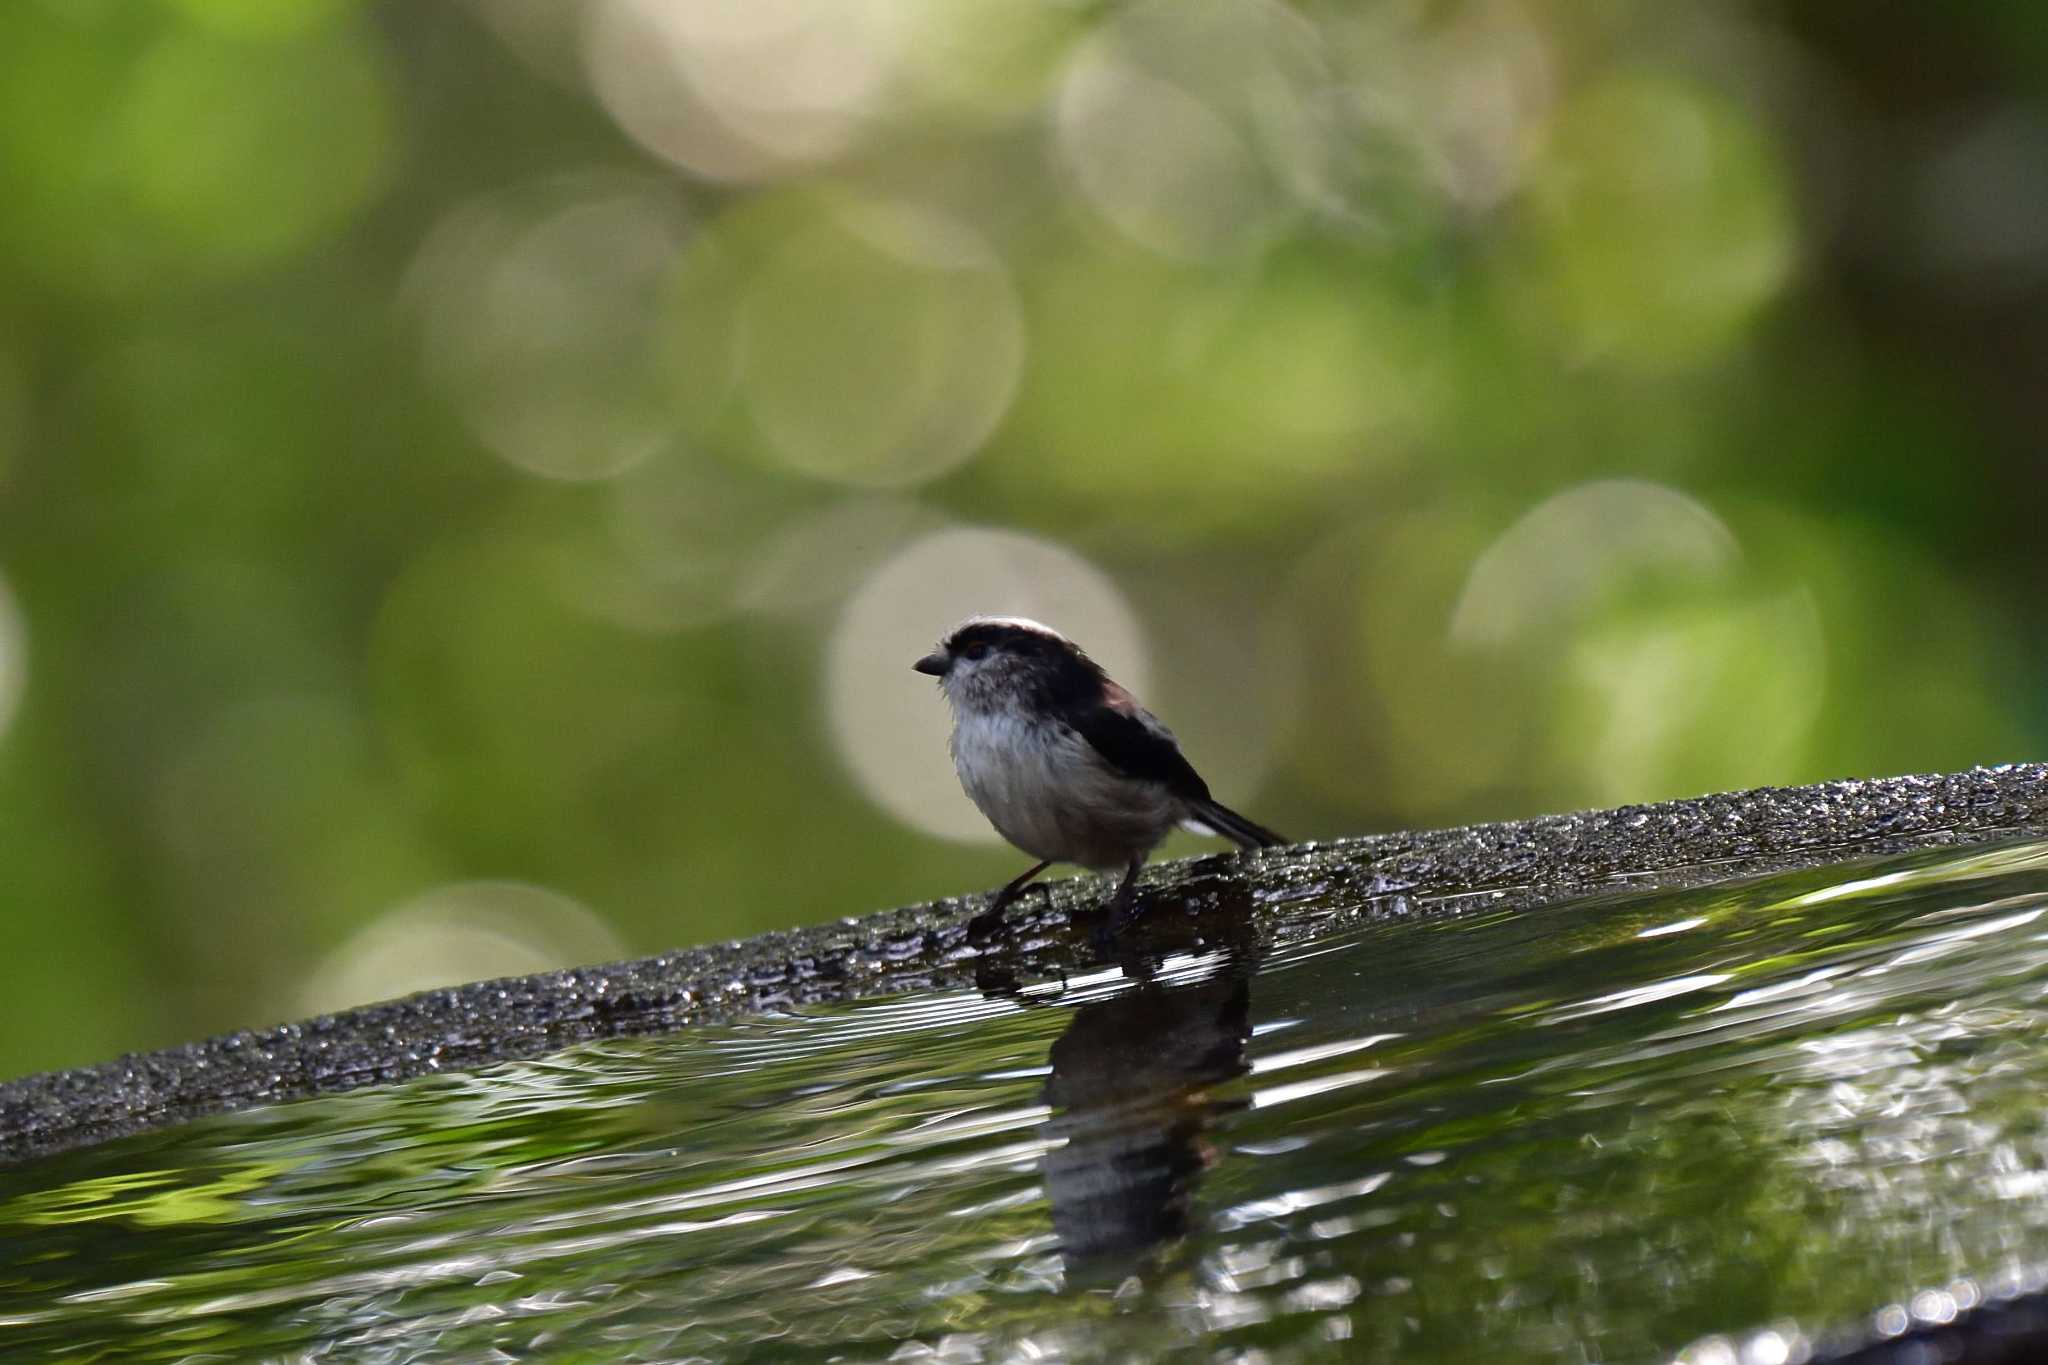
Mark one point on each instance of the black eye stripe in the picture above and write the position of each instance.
(990, 636)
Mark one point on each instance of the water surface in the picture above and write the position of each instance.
(1596, 1130)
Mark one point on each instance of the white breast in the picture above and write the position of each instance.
(1047, 791)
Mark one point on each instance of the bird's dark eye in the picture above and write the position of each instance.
(974, 651)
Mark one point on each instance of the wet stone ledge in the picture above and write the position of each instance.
(926, 947)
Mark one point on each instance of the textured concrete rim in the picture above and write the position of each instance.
(924, 947)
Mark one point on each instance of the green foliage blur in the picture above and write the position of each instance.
(473, 476)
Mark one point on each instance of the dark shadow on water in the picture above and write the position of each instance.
(1133, 1089)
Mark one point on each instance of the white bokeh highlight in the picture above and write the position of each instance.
(1565, 551)
(742, 89)
(1642, 700)
(1159, 164)
(880, 346)
(540, 311)
(888, 723)
(1461, 96)
(1193, 126)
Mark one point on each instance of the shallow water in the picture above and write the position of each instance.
(1596, 1130)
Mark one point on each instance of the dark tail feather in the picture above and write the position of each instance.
(1221, 819)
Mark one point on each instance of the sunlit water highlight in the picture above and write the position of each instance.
(1597, 1130)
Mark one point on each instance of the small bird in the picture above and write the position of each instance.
(1064, 762)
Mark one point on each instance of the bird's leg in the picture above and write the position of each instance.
(1014, 888)
(1121, 912)
(989, 920)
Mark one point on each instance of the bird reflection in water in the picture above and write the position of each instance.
(1133, 1094)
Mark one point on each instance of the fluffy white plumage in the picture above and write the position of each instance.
(1048, 791)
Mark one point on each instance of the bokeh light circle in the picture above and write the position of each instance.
(879, 345)
(1593, 539)
(455, 934)
(741, 89)
(242, 157)
(544, 34)
(1207, 403)
(540, 310)
(1159, 163)
(1641, 639)
(1660, 224)
(887, 723)
(984, 60)
(1189, 125)
(1650, 701)
(1445, 104)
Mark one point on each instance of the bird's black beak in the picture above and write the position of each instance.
(934, 663)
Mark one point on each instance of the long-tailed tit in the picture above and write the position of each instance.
(1064, 762)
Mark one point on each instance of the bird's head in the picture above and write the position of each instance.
(994, 662)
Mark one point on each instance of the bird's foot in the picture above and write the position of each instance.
(1123, 912)
(990, 922)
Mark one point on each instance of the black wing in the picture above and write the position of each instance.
(1135, 744)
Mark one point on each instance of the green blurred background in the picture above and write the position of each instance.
(473, 477)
